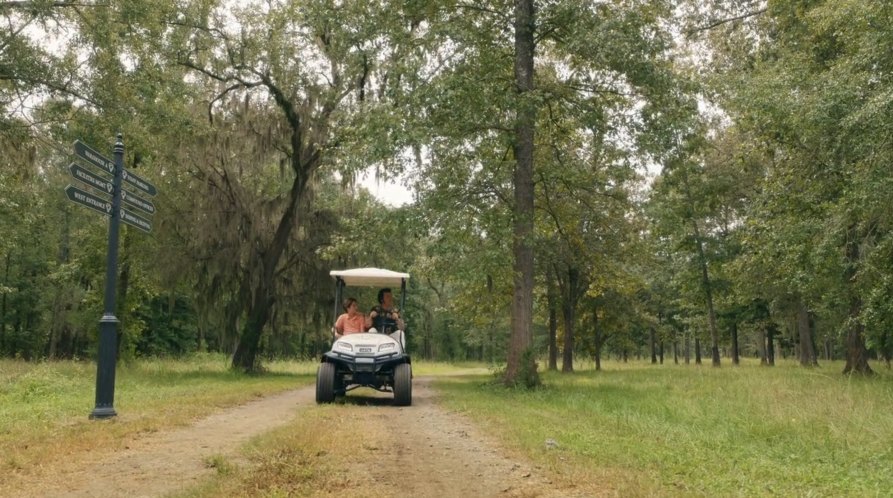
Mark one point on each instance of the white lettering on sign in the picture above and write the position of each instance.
(136, 221)
(138, 202)
(92, 201)
(99, 160)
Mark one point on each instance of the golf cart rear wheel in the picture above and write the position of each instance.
(325, 383)
(403, 385)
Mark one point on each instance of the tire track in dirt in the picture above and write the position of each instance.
(168, 461)
(441, 454)
(431, 452)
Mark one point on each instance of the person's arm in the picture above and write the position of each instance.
(367, 321)
(400, 323)
(339, 326)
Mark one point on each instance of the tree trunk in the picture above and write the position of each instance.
(711, 312)
(735, 358)
(705, 282)
(651, 344)
(522, 296)
(807, 353)
(246, 353)
(697, 351)
(553, 322)
(856, 352)
(687, 349)
(675, 352)
(569, 307)
(3, 309)
(761, 345)
(660, 350)
(598, 339)
(770, 344)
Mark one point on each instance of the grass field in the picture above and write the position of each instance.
(44, 407)
(641, 429)
(687, 430)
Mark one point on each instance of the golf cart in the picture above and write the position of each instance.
(368, 359)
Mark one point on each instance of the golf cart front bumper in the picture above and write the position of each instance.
(366, 364)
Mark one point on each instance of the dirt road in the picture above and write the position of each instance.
(434, 453)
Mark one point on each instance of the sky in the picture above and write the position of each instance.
(387, 191)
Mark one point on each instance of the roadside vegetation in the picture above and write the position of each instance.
(635, 430)
(44, 407)
(639, 429)
(677, 430)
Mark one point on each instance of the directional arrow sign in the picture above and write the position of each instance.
(139, 183)
(82, 174)
(87, 153)
(135, 220)
(137, 202)
(79, 196)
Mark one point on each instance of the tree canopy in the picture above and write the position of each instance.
(589, 179)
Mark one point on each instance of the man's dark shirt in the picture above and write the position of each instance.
(383, 322)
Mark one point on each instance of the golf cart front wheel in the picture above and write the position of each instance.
(403, 385)
(325, 383)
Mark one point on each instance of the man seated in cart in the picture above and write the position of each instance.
(386, 318)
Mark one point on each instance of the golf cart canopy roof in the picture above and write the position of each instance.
(370, 277)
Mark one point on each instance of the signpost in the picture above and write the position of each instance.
(111, 207)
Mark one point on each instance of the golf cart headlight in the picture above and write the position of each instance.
(387, 347)
(343, 346)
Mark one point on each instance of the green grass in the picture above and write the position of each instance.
(677, 430)
(633, 429)
(44, 407)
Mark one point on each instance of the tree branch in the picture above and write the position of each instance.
(33, 5)
(719, 22)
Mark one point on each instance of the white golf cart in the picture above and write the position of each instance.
(370, 359)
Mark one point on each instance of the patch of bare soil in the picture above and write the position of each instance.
(432, 452)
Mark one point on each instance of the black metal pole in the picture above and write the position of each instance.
(337, 298)
(108, 325)
(403, 296)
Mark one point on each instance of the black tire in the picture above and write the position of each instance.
(325, 383)
(403, 384)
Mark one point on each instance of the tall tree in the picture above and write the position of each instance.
(522, 237)
(315, 71)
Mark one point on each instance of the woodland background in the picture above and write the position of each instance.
(709, 177)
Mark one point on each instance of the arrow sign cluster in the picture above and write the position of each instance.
(104, 185)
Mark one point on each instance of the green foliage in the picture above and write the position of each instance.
(172, 330)
(785, 166)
